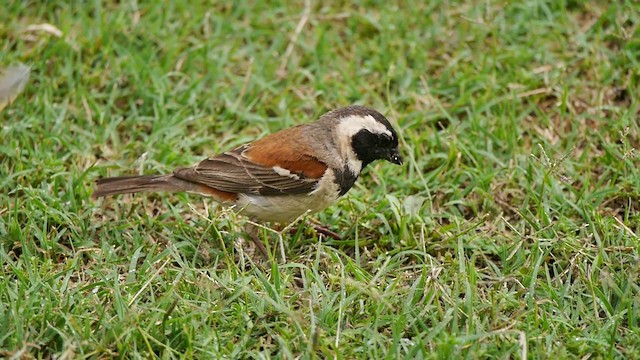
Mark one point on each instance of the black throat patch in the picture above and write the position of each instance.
(345, 179)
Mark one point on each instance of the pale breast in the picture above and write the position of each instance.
(286, 208)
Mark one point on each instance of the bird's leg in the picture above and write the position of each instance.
(324, 230)
(320, 229)
(252, 232)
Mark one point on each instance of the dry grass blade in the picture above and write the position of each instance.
(12, 81)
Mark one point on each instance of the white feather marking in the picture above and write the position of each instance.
(284, 172)
(353, 163)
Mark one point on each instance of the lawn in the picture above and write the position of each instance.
(510, 232)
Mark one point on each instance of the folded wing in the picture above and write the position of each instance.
(274, 165)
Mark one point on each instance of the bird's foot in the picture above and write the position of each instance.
(319, 229)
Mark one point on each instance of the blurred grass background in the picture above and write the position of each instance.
(511, 231)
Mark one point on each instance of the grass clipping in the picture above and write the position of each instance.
(12, 82)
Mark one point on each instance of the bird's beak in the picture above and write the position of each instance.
(395, 157)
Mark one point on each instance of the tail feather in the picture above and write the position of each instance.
(143, 183)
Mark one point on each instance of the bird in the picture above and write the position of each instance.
(297, 170)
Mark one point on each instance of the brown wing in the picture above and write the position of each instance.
(277, 164)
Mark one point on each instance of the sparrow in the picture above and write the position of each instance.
(300, 169)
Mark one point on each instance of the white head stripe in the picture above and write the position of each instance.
(351, 125)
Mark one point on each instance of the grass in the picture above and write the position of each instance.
(511, 231)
